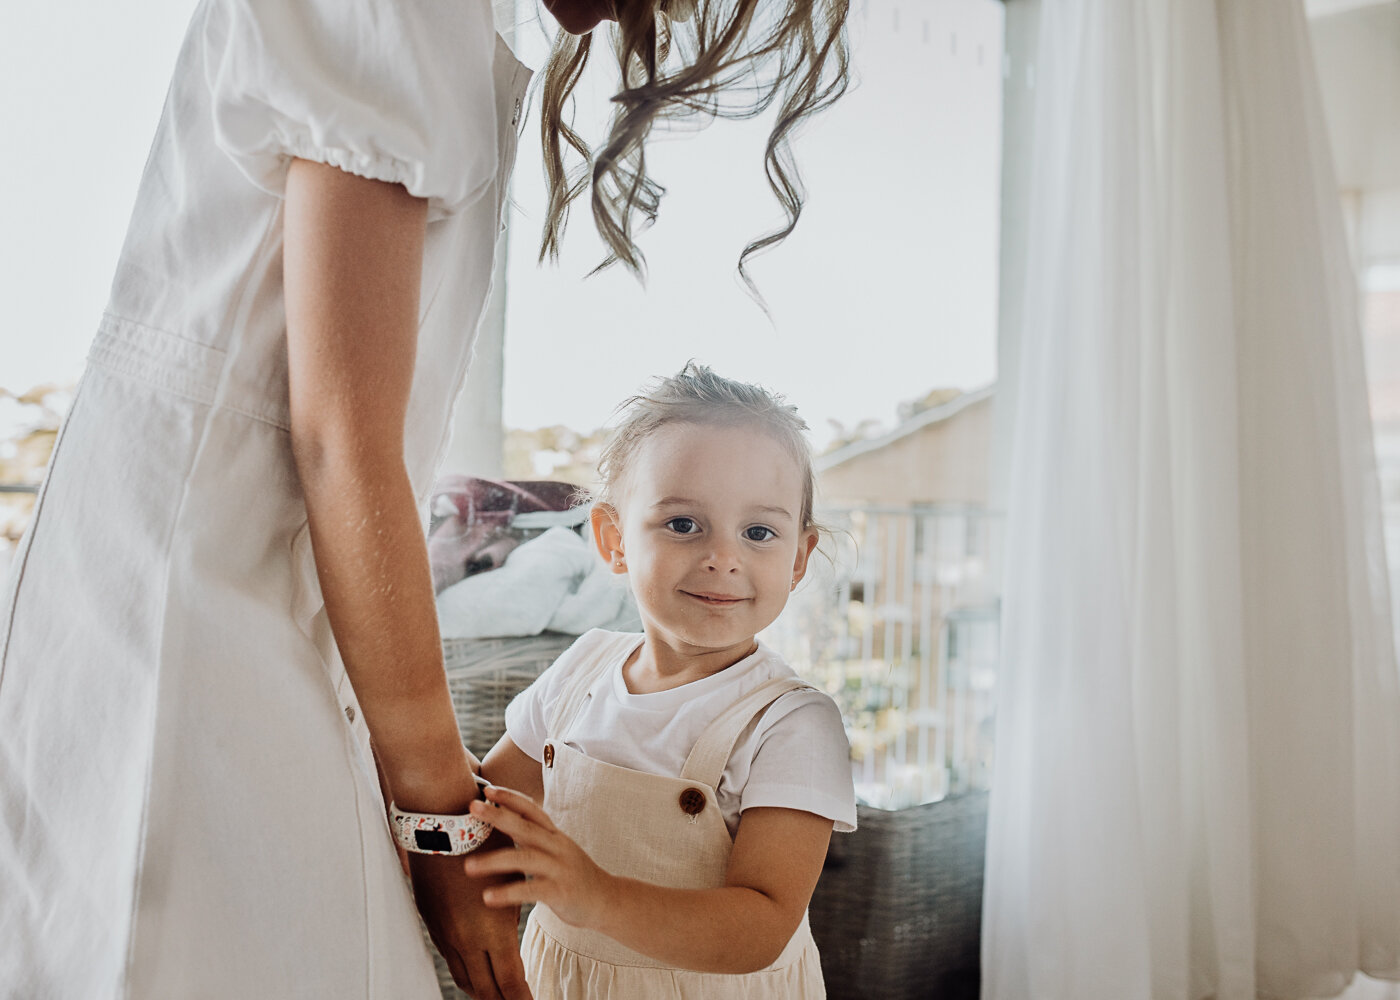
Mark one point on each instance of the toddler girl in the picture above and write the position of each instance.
(690, 781)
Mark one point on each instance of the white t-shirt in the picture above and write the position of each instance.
(794, 756)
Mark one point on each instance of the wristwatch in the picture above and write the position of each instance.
(430, 833)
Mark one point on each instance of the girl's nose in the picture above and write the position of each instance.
(723, 558)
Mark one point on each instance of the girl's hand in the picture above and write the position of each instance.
(560, 874)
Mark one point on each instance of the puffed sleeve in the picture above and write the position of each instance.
(393, 90)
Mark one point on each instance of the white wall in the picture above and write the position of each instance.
(1358, 66)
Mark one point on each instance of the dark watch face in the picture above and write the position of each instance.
(432, 840)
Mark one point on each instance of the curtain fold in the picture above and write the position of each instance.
(1198, 778)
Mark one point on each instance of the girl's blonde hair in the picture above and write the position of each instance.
(735, 59)
(697, 395)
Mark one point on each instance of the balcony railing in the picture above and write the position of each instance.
(899, 621)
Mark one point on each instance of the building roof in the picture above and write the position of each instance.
(920, 420)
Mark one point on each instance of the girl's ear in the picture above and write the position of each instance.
(607, 535)
(805, 545)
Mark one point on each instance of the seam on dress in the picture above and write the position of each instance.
(169, 383)
(128, 321)
(140, 867)
(353, 760)
(157, 357)
(154, 726)
(181, 387)
(300, 146)
(22, 563)
(364, 872)
(262, 418)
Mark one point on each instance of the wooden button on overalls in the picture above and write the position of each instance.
(549, 755)
(692, 801)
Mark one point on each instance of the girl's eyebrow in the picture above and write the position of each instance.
(687, 502)
(775, 510)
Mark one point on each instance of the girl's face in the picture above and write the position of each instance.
(707, 530)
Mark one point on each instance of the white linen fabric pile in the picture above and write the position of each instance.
(554, 583)
(1197, 788)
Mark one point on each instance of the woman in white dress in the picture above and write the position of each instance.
(224, 591)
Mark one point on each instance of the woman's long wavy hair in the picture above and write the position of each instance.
(723, 58)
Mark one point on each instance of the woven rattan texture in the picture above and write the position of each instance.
(897, 914)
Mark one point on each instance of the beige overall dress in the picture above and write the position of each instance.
(661, 829)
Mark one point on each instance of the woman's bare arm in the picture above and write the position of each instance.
(353, 256)
(353, 262)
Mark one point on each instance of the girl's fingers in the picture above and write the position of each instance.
(509, 798)
(522, 860)
(515, 826)
(512, 894)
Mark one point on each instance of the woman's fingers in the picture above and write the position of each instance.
(454, 963)
(508, 973)
(480, 984)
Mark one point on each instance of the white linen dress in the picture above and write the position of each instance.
(188, 807)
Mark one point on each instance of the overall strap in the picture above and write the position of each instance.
(575, 693)
(711, 752)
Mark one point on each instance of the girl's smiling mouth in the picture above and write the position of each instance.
(716, 600)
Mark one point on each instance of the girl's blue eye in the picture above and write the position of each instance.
(683, 525)
(758, 533)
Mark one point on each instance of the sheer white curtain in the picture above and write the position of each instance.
(1197, 790)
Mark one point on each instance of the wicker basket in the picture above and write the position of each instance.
(483, 676)
(897, 914)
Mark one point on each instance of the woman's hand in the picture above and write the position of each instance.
(561, 874)
(479, 943)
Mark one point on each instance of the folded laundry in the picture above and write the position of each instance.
(555, 583)
(476, 522)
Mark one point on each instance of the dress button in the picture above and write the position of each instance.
(549, 755)
(692, 801)
(350, 712)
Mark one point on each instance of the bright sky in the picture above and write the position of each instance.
(886, 290)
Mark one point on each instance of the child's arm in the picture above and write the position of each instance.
(742, 927)
(512, 767)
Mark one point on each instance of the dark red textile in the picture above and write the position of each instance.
(472, 529)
